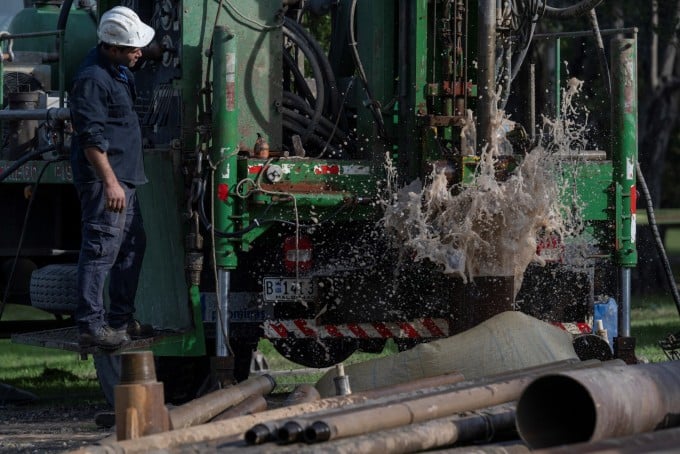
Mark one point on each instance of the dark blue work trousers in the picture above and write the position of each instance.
(113, 245)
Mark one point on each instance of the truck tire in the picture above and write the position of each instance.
(315, 352)
(54, 288)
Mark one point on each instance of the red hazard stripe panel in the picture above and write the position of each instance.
(357, 331)
(306, 330)
(382, 330)
(333, 331)
(574, 328)
(301, 328)
(432, 327)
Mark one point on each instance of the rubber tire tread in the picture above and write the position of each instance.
(54, 288)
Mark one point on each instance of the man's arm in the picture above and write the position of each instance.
(115, 195)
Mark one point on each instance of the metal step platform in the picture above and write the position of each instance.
(67, 339)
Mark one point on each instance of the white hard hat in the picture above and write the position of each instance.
(120, 26)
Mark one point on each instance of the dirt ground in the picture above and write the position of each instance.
(49, 429)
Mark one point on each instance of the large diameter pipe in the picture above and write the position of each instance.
(207, 407)
(594, 404)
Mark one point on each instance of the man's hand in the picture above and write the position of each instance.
(115, 196)
(113, 191)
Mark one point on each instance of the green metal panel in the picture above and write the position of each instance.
(80, 36)
(163, 298)
(375, 24)
(258, 57)
(589, 186)
(624, 152)
(418, 65)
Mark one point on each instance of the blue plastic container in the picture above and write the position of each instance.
(608, 312)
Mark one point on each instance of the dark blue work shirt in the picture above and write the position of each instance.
(103, 115)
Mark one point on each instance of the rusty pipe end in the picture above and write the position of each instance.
(258, 434)
(318, 432)
(137, 367)
(291, 432)
(555, 410)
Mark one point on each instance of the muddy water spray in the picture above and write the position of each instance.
(489, 227)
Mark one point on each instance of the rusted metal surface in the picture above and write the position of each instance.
(594, 404)
(207, 407)
(253, 404)
(301, 394)
(479, 426)
(236, 427)
(139, 398)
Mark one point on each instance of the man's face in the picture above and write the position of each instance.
(127, 56)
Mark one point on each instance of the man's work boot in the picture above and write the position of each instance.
(136, 330)
(103, 337)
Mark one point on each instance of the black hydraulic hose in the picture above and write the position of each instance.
(298, 79)
(316, 140)
(657, 237)
(323, 129)
(571, 12)
(318, 76)
(602, 58)
(23, 160)
(295, 102)
(63, 14)
(328, 76)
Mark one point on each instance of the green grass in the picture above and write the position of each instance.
(53, 375)
(672, 241)
(652, 319)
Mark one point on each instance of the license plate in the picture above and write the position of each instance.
(288, 289)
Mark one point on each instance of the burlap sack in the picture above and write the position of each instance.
(508, 341)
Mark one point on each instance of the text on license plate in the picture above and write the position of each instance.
(288, 289)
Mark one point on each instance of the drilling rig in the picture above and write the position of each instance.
(269, 128)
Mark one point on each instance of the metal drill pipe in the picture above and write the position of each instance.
(293, 430)
(486, 72)
(207, 407)
(235, 426)
(421, 409)
(666, 440)
(482, 425)
(594, 404)
(253, 404)
(402, 410)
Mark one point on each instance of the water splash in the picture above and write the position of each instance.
(490, 226)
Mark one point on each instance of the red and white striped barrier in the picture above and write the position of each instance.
(574, 328)
(301, 328)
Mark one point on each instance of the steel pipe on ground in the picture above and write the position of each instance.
(479, 426)
(253, 404)
(207, 407)
(594, 404)
(235, 426)
(400, 410)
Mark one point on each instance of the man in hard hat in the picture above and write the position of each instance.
(107, 162)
